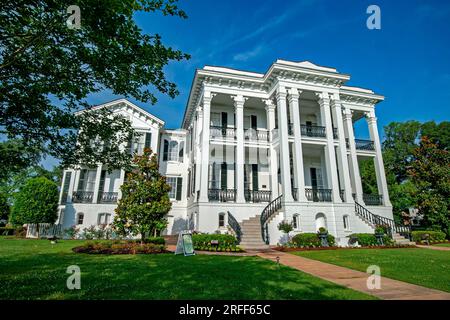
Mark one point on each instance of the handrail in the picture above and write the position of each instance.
(232, 222)
(272, 208)
(376, 220)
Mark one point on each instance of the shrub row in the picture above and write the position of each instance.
(433, 236)
(204, 240)
(214, 248)
(368, 239)
(311, 240)
(119, 247)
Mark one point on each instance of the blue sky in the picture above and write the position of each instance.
(408, 60)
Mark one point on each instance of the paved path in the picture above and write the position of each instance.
(390, 289)
(434, 248)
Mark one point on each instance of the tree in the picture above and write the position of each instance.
(145, 200)
(437, 133)
(36, 202)
(430, 172)
(48, 68)
(4, 207)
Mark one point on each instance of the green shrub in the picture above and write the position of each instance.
(285, 226)
(420, 236)
(154, 240)
(311, 240)
(369, 239)
(226, 240)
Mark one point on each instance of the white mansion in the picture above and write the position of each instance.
(254, 149)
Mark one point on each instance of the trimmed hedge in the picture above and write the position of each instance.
(227, 242)
(205, 239)
(311, 240)
(154, 240)
(434, 236)
(369, 239)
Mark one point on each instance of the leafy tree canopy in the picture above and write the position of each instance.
(145, 200)
(36, 202)
(48, 69)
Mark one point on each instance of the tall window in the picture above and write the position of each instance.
(221, 220)
(66, 185)
(87, 180)
(295, 222)
(80, 218)
(104, 218)
(176, 187)
(346, 224)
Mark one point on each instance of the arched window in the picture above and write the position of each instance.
(346, 222)
(221, 220)
(296, 222)
(321, 221)
(173, 151)
(80, 218)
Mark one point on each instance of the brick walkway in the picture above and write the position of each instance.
(434, 248)
(356, 280)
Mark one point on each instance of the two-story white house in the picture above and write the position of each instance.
(254, 149)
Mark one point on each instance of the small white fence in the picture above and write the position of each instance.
(45, 230)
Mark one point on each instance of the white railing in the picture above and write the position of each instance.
(45, 230)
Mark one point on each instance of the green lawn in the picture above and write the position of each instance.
(425, 267)
(35, 269)
(442, 244)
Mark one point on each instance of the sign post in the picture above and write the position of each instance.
(185, 244)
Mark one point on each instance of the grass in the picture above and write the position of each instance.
(428, 268)
(36, 269)
(442, 245)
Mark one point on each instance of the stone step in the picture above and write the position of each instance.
(251, 241)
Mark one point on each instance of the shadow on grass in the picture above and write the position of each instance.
(42, 275)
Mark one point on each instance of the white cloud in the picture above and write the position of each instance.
(244, 56)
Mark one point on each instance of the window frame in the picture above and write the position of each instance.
(80, 215)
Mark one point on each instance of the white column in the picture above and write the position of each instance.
(342, 151)
(270, 111)
(299, 178)
(197, 143)
(97, 183)
(379, 165)
(353, 160)
(240, 156)
(330, 156)
(204, 163)
(121, 182)
(284, 144)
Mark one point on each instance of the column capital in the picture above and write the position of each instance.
(348, 113)
(324, 98)
(270, 105)
(370, 116)
(294, 94)
(239, 100)
(281, 93)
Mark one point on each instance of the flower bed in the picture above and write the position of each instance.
(432, 236)
(120, 247)
(289, 249)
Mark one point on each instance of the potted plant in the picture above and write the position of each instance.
(323, 236)
(379, 234)
(286, 227)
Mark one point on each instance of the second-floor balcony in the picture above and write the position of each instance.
(107, 197)
(257, 195)
(222, 195)
(314, 194)
(256, 135)
(360, 144)
(310, 131)
(217, 132)
(82, 196)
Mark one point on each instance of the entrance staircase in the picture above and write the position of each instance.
(401, 234)
(251, 234)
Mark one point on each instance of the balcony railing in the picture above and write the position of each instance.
(364, 144)
(318, 195)
(222, 132)
(373, 199)
(257, 195)
(222, 195)
(107, 197)
(313, 131)
(261, 135)
(83, 196)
